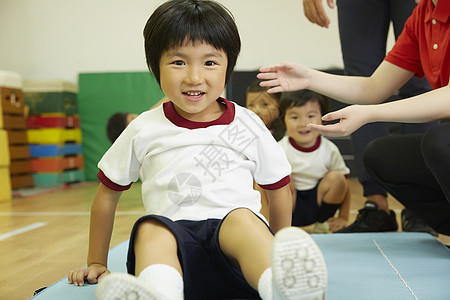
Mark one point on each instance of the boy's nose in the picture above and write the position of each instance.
(194, 76)
(302, 122)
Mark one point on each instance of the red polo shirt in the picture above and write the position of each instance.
(424, 45)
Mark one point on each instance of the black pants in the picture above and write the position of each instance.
(363, 31)
(415, 169)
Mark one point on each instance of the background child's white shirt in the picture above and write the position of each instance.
(196, 174)
(309, 167)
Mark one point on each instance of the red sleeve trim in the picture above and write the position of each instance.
(277, 185)
(111, 185)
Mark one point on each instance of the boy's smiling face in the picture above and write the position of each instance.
(193, 77)
(296, 119)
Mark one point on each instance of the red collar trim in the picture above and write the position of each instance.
(311, 149)
(226, 118)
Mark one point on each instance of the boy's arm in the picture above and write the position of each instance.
(101, 226)
(280, 208)
(288, 76)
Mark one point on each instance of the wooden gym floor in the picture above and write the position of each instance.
(43, 237)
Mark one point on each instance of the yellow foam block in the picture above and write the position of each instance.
(53, 135)
(4, 149)
(5, 185)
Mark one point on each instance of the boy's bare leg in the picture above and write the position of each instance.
(149, 234)
(332, 188)
(246, 241)
(158, 268)
(332, 194)
(298, 265)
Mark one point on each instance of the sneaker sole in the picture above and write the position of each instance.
(123, 286)
(298, 267)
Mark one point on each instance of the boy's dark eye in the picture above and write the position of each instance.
(210, 63)
(178, 63)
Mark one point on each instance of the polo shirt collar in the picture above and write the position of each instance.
(440, 13)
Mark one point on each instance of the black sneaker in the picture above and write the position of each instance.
(411, 223)
(372, 219)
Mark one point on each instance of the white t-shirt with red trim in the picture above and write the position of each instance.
(309, 165)
(195, 170)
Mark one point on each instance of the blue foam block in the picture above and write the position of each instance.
(360, 266)
(51, 150)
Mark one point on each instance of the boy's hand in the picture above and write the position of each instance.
(92, 274)
(337, 223)
(285, 77)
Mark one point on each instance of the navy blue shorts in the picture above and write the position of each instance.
(306, 208)
(207, 274)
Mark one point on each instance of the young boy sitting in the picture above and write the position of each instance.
(319, 175)
(203, 237)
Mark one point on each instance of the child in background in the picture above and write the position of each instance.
(266, 106)
(319, 182)
(203, 236)
(116, 124)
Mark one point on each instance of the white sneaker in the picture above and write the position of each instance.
(122, 286)
(322, 227)
(298, 267)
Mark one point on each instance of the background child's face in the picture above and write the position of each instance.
(296, 119)
(193, 77)
(264, 105)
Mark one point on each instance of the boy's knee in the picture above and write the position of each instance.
(155, 230)
(240, 215)
(335, 177)
(242, 219)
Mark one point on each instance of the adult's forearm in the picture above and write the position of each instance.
(360, 90)
(434, 105)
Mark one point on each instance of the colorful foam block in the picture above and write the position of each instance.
(5, 184)
(51, 96)
(12, 101)
(53, 135)
(57, 164)
(4, 149)
(17, 136)
(14, 122)
(22, 181)
(19, 151)
(53, 121)
(58, 178)
(20, 166)
(55, 150)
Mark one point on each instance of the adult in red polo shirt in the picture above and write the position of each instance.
(413, 168)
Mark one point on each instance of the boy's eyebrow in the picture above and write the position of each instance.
(180, 54)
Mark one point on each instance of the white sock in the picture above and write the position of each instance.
(265, 285)
(164, 279)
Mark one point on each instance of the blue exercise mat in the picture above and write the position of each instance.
(360, 266)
